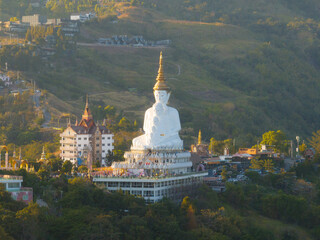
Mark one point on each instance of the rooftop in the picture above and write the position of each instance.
(10, 177)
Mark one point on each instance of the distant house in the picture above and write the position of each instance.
(34, 20)
(135, 41)
(70, 28)
(5, 79)
(251, 151)
(53, 21)
(50, 40)
(12, 184)
(163, 42)
(47, 51)
(35, 3)
(82, 17)
(16, 26)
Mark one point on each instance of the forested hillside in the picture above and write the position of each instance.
(256, 210)
(236, 68)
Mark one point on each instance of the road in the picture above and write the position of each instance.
(47, 118)
(46, 113)
(36, 98)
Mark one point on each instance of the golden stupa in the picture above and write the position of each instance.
(161, 84)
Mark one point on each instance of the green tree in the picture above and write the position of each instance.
(268, 165)
(135, 125)
(83, 169)
(44, 173)
(218, 147)
(4, 235)
(302, 148)
(56, 164)
(33, 222)
(224, 174)
(276, 139)
(315, 141)
(256, 164)
(13, 19)
(28, 35)
(124, 124)
(110, 111)
(67, 167)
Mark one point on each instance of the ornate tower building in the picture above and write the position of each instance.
(78, 140)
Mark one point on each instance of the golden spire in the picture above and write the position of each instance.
(199, 137)
(87, 101)
(43, 154)
(14, 153)
(161, 84)
(87, 114)
(69, 123)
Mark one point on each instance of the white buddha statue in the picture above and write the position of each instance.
(161, 122)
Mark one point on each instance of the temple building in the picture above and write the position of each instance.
(84, 139)
(200, 148)
(43, 159)
(156, 166)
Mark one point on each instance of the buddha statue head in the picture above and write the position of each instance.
(161, 96)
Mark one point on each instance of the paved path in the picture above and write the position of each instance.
(46, 113)
(47, 118)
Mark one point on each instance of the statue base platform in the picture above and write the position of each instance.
(157, 162)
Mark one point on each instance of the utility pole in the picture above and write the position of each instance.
(298, 140)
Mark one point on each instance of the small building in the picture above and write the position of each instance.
(34, 20)
(70, 28)
(82, 17)
(12, 184)
(46, 52)
(309, 153)
(53, 21)
(36, 3)
(17, 26)
(50, 40)
(5, 79)
(251, 151)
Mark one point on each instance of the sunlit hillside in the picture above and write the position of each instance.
(236, 68)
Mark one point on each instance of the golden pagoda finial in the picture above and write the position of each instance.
(87, 101)
(14, 152)
(199, 138)
(161, 84)
(87, 114)
(160, 76)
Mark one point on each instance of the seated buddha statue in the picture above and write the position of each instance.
(161, 122)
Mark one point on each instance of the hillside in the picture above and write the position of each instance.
(236, 69)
